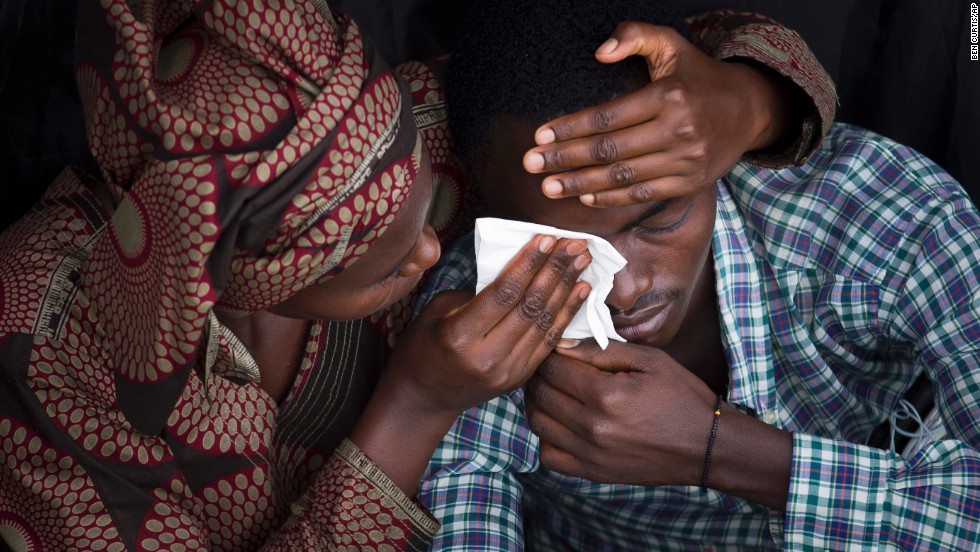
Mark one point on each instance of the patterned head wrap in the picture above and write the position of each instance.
(256, 147)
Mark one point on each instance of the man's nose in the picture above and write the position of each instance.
(629, 285)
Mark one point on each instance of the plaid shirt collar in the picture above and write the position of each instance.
(741, 304)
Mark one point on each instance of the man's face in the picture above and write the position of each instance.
(666, 243)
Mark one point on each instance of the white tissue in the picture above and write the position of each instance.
(498, 240)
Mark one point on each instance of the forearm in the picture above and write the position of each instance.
(773, 107)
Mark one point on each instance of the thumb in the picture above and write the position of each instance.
(618, 357)
(659, 44)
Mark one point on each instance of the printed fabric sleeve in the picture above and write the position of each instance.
(846, 496)
(352, 505)
(729, 35)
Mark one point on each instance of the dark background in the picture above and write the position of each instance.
(902, 68)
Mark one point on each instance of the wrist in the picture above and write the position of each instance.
(402, 404)
(705, 470)
(399, 430)
(770, 101)
(751, 459)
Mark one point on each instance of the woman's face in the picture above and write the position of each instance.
(388, 271)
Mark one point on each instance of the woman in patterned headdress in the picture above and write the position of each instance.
(184, 342)
(185, 345)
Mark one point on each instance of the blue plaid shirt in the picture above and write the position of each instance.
(839, 282)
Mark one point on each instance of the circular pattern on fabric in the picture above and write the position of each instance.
(16, 534)
(155, 304)
(238, 507)
(79, 399)
(129, 232)
(177, 57)
(170, 524)
(293, 468)
(94, 95)
(264, 31)
(238, 419)
(221, 101)
(58, 506)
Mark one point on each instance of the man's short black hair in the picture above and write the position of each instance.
(535, 60)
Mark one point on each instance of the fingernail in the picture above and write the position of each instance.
(575, 247)
(565, 343)
(544, 136)
(546, 244)
(553, 188)
(608, 46)
(582, 261)
(534, 162)
(588, 199)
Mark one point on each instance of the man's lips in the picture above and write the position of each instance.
(637, 324)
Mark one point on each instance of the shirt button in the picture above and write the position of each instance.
(770, 416)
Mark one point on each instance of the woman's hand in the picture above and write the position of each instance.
(681, 132)
(464, 350)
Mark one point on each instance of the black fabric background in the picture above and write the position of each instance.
(902, 68)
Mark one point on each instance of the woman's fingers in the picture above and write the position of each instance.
(548, 305)
(661, 47)
(491, 342)
(566, 312)
(624, 175)
(508, 289)
(525, 300)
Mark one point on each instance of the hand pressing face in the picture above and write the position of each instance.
(666, 242)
